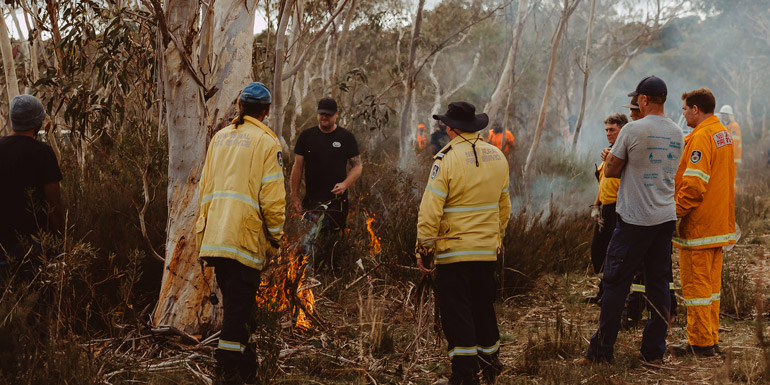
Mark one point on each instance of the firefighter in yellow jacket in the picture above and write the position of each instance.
(240, 223)
(705, 208)
(466, 205)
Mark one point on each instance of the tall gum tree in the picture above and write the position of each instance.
(198, 91)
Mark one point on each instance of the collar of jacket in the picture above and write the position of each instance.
(470, 136)
(259, 124)
(713, 119)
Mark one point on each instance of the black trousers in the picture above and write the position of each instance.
(466, 294)
(330, 219)
(238, 283)
(601, 240)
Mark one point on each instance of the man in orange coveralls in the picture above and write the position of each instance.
(705, 210)
(501, 138)
(422, 138)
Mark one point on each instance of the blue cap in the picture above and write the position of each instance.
(650, 86)
(256, 93)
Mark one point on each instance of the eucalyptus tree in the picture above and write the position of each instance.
(202, 71)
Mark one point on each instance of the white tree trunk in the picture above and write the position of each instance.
(586, 73)
(233, 26)
(566, 12)
(406, 139)
(280, 59)
(505, 84)
(9, 68)
(182, 302)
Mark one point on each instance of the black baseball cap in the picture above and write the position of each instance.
(651, 86)
(327, 106)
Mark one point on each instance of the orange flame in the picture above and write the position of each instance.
(376, 247)
(278, 289)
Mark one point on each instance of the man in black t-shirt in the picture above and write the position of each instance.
(29, 173)
(323, 152)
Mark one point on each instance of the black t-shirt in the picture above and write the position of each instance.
(326, 158)
(438, 139)
(26, 166)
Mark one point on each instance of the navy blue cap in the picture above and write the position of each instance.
(651, 86)
(256, 93)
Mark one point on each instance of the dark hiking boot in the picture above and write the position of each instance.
(490, 370)
(687, 349)
(464, 380)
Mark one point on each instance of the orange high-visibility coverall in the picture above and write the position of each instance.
(496, 140)
(422, 139)
(705, 202)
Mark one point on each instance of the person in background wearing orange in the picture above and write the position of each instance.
(728, 120)
(422, 138)
(496, 138)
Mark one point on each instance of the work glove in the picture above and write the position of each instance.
(596, 216)
(424, 257)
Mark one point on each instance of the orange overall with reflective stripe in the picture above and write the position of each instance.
(705, 202)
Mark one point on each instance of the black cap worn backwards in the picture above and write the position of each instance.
(327, 106)
(651, 86)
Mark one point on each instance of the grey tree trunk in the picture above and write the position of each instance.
(565, 14)
(586, 73)
(406, 139)
(505, 84)
(280, 59)
(183, 295)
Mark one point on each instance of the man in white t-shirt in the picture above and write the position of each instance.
(645, 158)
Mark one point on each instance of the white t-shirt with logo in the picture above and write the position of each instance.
(651, 147)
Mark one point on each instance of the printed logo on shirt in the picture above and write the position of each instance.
(280, 159)
(695, 157)
(434, 172)
(722, 138)
(336, 144)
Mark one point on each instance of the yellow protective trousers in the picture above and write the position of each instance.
(701, 273)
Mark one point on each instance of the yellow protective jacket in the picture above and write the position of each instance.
(242, 196)
(466, 201)
(608, 187)
(735, 131)
(705, 197)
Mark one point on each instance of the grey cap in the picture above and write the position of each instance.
(27, 113)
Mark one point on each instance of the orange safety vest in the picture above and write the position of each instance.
(421, 140)
(705, 197)
(496, 140)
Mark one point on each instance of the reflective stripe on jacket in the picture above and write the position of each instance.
(462, 200)
(705, 197)
(608, 187)
(242, 194)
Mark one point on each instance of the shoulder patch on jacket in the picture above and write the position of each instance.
(280, 159)
(434, 172)
(695, 157)
(440, 155)
(722, 138)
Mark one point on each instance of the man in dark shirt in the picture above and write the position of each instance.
(323, 152)
(29, 199)
(438, 138)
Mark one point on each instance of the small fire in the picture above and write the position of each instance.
(376, 247)
(278, 290)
